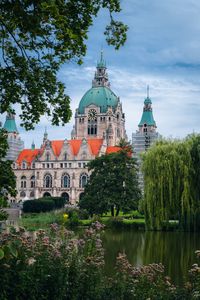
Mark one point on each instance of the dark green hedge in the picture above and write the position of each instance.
(43, 204)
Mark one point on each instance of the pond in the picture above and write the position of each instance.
(175, 250)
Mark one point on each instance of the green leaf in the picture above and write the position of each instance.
(13, 250)
(1, 253)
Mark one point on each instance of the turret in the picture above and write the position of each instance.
(33, 146)
(15, 143)
(147, 122)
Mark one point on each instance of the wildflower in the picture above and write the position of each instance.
(31, 261)
(65, 217)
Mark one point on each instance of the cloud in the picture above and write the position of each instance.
(162, 50)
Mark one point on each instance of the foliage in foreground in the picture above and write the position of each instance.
(57, 265)
(113, 184)
(7, 176)
(172, 189)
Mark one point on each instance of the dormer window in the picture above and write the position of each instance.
(65, 156)
(33, 165)
(23, 165)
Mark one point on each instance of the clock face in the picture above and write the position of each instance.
(92, 114)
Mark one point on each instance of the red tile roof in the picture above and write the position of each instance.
(29, 155)
(57, 146)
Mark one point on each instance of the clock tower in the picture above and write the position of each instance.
(100, 114)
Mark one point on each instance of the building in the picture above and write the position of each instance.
(59, 167)
(146, 134)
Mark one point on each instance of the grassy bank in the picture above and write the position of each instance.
(40, 220)
(132, 220)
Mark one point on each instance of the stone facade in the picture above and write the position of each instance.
(59, 168)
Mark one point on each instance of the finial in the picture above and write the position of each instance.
(101, 55)
(147, 91)
(45, 134)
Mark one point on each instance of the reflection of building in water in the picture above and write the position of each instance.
(58, 167)
(146, 134)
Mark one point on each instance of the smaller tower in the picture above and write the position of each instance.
(73, 133)
(146, 134)
(16, 145)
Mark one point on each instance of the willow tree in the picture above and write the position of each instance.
(194, 144)
(167, 194)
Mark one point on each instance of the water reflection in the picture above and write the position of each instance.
(175, 250)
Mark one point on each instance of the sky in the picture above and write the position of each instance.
(162, 51)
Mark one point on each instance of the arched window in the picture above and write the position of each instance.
(23, 182)
(32, 181)
(65, 196)
(22, 194)
(47, 181)
(92, 125)
(46, 194)
(32, 194)
(65, 181)
(83, 180)
(23, 165)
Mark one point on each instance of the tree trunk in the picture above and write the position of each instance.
(112, 211)
(117, 211)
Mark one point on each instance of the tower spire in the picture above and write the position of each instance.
(147, 91)
(101, 76)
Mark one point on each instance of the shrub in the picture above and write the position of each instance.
(38, 205)
(3, 215)
(43, 204)
(73, 219)
(82, 213)
(58, 201)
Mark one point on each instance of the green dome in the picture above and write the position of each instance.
(100, 96)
